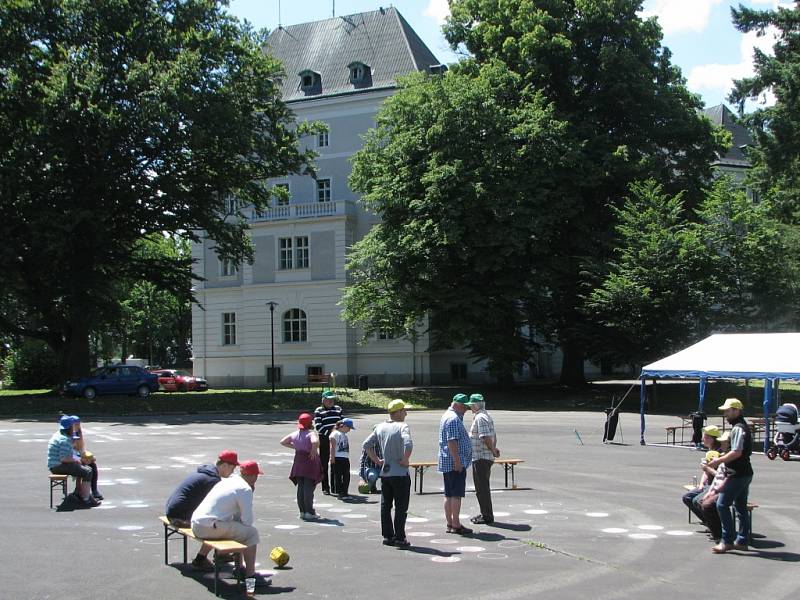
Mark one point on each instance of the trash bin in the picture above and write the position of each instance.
(363, 383)
(612, 420)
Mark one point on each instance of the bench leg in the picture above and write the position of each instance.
(216, 574)
(166, 546)
(185, 555)
(416, 470)
(421, 477)
(51, 494)
(513, 481)
(505, 471)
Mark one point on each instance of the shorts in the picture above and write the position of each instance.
(455, 484)
(74, 469)
(227, 530)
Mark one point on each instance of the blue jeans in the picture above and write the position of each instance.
(734, 493)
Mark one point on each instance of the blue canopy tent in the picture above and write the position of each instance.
(769, 356)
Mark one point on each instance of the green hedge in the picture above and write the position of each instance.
(31, 365)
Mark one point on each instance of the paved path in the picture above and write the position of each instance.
(587, 521)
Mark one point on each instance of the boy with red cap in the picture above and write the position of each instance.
(226, 513)
(307, 468)
(191, 492)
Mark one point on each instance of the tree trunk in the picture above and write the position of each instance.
(74, 354)
(572, 373)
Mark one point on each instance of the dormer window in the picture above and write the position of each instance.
(310, 81)
(437, 69)
(359, 73)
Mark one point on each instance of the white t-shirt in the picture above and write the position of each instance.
(342, 444)
(229, 500)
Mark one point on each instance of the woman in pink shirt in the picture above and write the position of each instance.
(306, 469)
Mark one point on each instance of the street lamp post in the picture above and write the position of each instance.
(272, 306)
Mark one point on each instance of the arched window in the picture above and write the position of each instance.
(295, 327)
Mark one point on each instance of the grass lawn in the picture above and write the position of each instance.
(673, 398)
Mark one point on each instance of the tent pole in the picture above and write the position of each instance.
(702, 393)
(642, 403)
(768, 383)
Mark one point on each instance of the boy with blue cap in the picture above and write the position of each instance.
(61, 460)
(340, 457)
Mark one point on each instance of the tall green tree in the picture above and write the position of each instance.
(459, 168)
(120, 120)
(657, 294)
(629, 114)
(775, 156)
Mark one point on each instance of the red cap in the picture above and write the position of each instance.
(250, 467)
(229, 456)
(304, 421)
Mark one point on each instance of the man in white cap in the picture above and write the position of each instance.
(737, 484)
(484, 451)
(394, 439)
(226, 513)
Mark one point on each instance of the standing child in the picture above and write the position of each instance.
(306, 469)
(340, 457)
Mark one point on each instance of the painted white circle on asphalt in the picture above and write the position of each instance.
(417, 520)
(470, 549)
(355, 516)
(502, 514)
(492, 556)
(679, 532)
(445, 559)
(130, 527)
(614, 530)
(596, 515)
(642, 536)
(421, 534)
(535, 511)
(287, 526)
(651, 527)
(444, 541)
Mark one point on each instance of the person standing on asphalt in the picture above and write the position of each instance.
(455, 457)
(394, 440)
(325, 418)
(484, 450)
(737, 483)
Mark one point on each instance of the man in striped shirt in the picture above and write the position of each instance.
(455, 457)
(325, 418)
(484, 451)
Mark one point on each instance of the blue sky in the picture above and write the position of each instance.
(707, 48)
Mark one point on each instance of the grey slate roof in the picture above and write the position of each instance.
(735, 157)
(382, 39)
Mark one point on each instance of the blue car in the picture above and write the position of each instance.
(114, 379)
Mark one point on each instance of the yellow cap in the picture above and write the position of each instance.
(396, 405)
(711, 430)
(732, 403)
(711, 455)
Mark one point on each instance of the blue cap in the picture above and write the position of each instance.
(66, 421)
(348, 422)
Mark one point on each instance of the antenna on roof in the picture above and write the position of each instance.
(279, 14)
(334, 9)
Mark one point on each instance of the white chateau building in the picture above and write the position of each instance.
(338, 71)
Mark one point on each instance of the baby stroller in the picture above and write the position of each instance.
(787, 433)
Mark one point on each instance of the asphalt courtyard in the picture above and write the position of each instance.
(586, 520)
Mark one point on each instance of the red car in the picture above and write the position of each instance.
(173, 380)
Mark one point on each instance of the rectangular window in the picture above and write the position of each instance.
(285, 254)
(231, 206)
(227, 268)
(301, 252)
(385, 334)
(276, 374)
(229, 329)
(323, 190)
(315, 372)
(283, 198)
(458, 371)
(322, 139)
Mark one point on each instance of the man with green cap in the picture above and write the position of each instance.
(737, 484)
(455, 457)
(484, 451)
(325, 419)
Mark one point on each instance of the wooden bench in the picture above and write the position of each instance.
(322, 381)
(58, 481)
(750, 508)
(508, 467)
(672, 429)
(220, 547)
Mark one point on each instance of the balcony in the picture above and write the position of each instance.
(305, 210)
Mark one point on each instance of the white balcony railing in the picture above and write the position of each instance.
(307, 210)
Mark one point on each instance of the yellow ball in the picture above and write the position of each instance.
(279, 556)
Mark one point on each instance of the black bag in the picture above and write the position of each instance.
(612, 419)
(698, 419)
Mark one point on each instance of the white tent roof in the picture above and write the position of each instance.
(734, 356)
